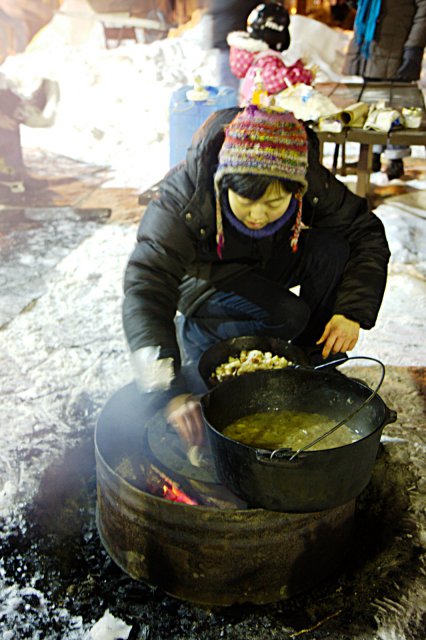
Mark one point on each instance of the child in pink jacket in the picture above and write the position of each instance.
(255, 54)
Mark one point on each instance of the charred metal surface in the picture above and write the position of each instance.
(208, 555)
(217, 557)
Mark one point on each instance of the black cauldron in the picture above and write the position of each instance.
(311, 480)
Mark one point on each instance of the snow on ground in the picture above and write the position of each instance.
(66, 354)
(397, 338)
(114, 111)
(67, 351)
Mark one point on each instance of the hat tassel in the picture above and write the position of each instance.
(220, 242)
(297, 227)
(220, 237)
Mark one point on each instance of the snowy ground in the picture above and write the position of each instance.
(114, 111)
(62, 348)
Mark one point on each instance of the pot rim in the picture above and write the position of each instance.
(388, 417)
(262, 343)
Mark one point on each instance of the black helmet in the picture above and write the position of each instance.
(269, 22)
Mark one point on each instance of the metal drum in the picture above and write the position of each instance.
(207, 555)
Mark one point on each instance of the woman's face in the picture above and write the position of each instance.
(256, 214)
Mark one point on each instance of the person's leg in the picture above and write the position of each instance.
(260, 303)
(11, 160)
(250, 305)
(376, 163)
(318, 270)
(395, 154)
(14, 177)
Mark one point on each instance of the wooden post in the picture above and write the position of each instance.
(364, 169)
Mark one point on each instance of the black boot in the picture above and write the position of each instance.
(376, 164)
(395, 169)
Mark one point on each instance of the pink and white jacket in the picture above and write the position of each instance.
(249, 56)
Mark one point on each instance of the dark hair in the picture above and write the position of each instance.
(252, 186)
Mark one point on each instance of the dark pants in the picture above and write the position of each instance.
(11, 160)
(260, 303)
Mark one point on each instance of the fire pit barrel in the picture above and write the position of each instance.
(207, 555)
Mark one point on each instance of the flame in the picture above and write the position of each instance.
(170, 492)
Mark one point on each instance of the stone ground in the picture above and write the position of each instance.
(63, 355)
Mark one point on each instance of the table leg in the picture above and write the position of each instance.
(364, 169)
(343, 171)
(335, 159)
(321, 151)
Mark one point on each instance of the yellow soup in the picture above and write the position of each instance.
(288, 429)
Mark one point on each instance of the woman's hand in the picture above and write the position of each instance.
(184, 414)
(340, 335)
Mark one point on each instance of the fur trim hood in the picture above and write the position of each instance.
(242, 40)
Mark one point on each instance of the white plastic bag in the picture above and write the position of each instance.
(383, 119)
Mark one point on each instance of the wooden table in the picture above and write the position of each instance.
(396, 95)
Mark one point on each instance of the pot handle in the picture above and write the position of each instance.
(279, 456)
(336, 363)
(346, 418)
(391, 416)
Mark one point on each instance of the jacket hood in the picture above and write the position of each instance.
(242, 40)
(202, 159)
(202, 156)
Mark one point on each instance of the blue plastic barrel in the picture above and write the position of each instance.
(186, 116)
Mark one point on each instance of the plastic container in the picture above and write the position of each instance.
(187, 115)
(412, 117)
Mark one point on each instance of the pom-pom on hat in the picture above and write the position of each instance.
(261, 141)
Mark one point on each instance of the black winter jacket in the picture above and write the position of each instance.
(175, 265)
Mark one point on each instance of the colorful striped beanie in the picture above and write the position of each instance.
(261, 141)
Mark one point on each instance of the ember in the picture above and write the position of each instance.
(171, 492)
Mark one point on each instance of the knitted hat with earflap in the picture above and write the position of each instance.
(264, 142)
